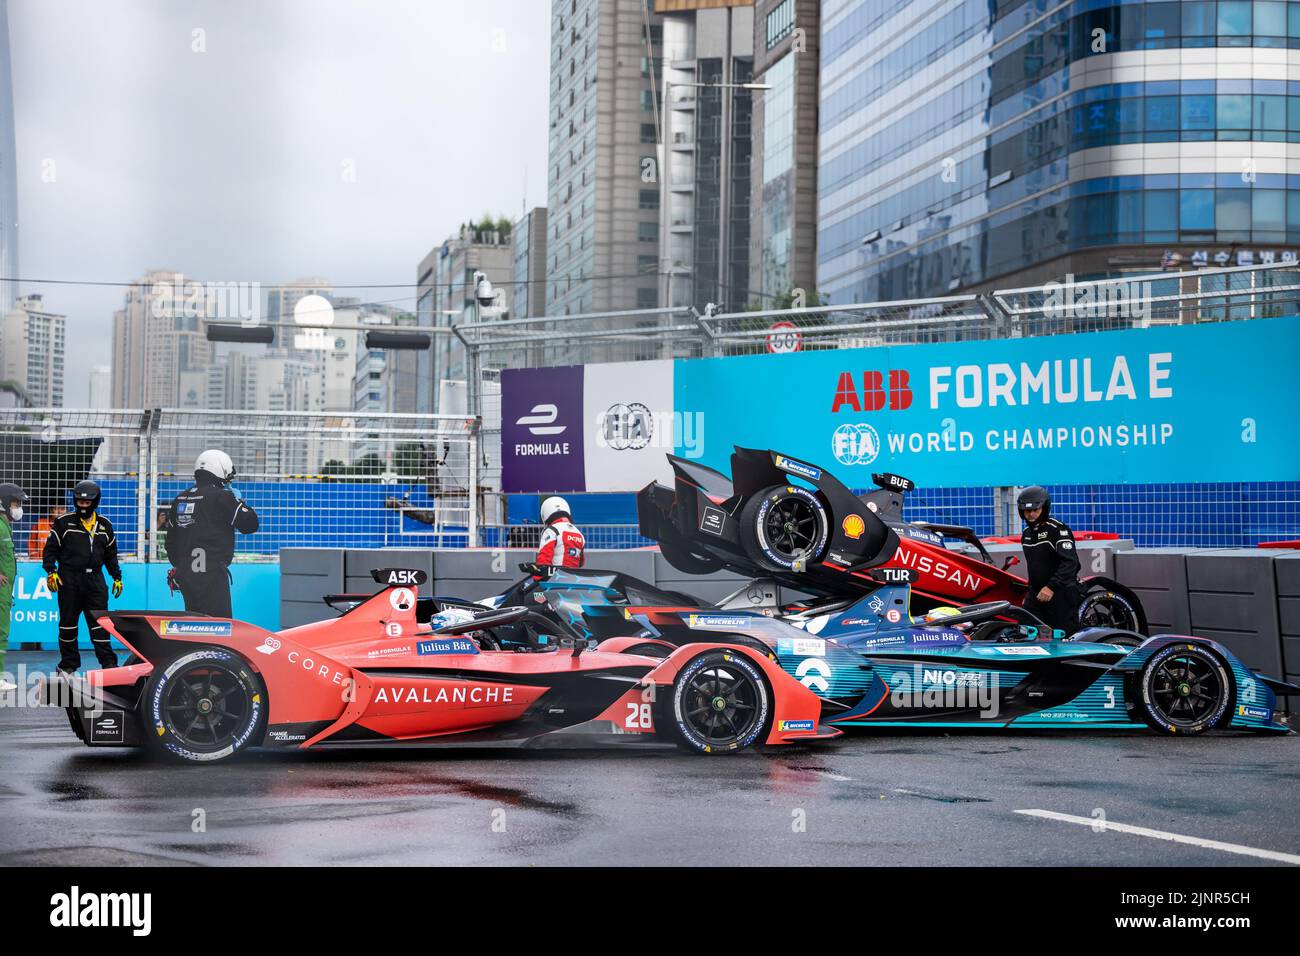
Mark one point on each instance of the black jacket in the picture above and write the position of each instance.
(1050, 556)
(71, 548)
(206, 516)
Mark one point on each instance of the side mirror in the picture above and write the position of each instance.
(1010, 561)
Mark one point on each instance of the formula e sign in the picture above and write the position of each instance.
(601, 427)
(1210, 402)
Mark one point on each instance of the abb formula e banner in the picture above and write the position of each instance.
(1209, 402)
(587, 428)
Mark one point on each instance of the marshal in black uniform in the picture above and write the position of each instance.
(81, 543)
(201, 535)
(1051, 560)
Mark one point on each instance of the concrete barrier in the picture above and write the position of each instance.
(1287, 573)
(306, 575)
(1159, 578)
(1232, 598)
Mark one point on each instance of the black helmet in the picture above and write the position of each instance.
(86, 489)
(11, 494)
(1035, 496)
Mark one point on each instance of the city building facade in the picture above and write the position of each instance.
(966, 145)
(445, 295)
(603, 177)
(783, 200)
(704, 223)
(8, 173)
(158, 336)
(32, 341)
(528, 264)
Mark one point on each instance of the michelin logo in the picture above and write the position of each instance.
(168, 628)
(798, 468)
(713, 620)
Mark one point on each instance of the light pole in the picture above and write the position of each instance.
(665, 180)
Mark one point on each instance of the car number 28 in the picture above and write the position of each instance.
(639, 717)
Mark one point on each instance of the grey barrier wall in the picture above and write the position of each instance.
(306, 575)
(1232, 596)
(1287, 569)
(1159, 577)
(1248, 600)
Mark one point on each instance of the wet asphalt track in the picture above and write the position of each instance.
(881, 799)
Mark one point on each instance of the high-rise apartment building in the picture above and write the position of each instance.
(603, 178)
(445, 290)
(158, 336)
(783, 206)
(8, 173)
(32, 351)
(704, 222)
(528, 264)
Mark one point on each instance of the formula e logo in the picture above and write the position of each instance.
(627, 426)
(855, 444)
(541, 421)
(268, 646)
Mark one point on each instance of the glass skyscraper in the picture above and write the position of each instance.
(970, 144)
(8, 173)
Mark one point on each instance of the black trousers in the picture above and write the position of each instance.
(206, 593)
(80, 593)
(1062, 611)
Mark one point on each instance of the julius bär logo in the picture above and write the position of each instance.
(873, 397)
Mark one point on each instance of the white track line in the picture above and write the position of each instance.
(1099, 824)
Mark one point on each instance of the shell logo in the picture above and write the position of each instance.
(854, 526)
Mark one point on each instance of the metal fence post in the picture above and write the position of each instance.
(474, 408)
(155, 419)
(143, 445)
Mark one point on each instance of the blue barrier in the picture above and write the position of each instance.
(255, 595)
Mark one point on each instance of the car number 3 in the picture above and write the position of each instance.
(639, 717)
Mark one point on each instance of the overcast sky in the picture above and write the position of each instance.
(232, 164)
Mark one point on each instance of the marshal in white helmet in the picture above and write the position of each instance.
(562, 545)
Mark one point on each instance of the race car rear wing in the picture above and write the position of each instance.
(698, 522)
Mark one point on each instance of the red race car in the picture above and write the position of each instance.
(202, 689)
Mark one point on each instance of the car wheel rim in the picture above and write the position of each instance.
(1105, 611)
(791, 527)
(1186, 689)
(206, 707)
(721, 704)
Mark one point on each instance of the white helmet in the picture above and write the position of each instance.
(553, 506)
(216, 463)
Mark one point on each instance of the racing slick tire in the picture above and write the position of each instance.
(784, 525)
(1184, 689)
(206, 705)
(721, 703)
(1103, 607)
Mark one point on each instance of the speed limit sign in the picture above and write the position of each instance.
(783, 338)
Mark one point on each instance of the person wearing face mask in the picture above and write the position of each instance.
(12, 499)
(80, 547)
